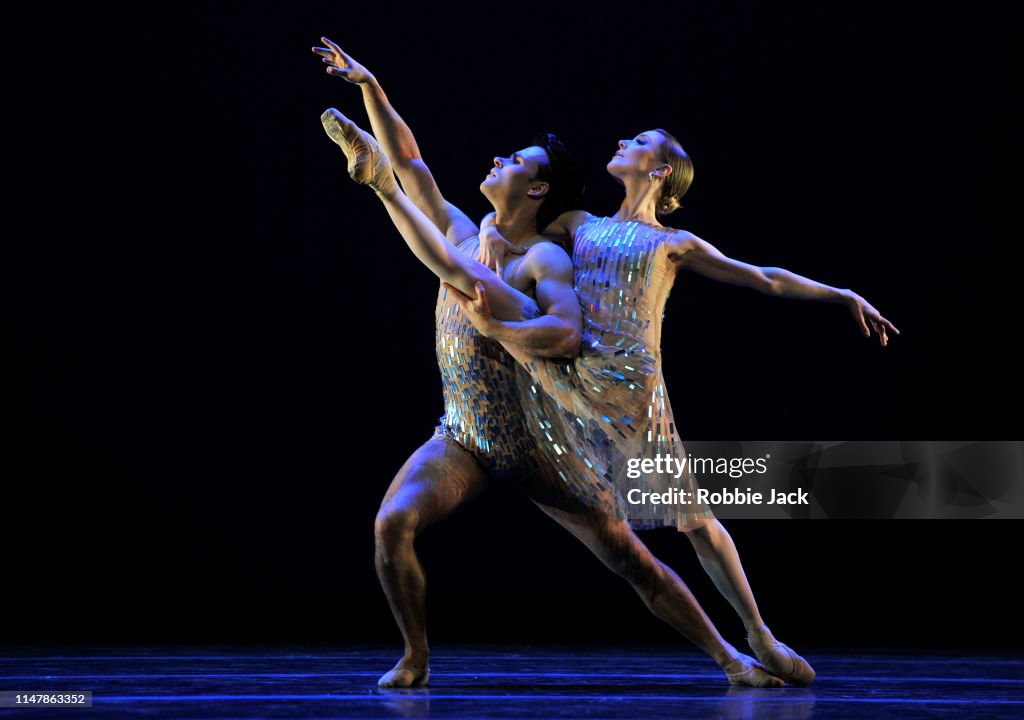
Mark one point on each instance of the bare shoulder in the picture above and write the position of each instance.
(547, 258)
(567, 223)
(680, 242)
(575, 219)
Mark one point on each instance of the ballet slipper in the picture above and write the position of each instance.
(746, 671)
(401, 676)
(367, 163)
(779, 659)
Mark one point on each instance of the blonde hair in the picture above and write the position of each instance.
(679, 180)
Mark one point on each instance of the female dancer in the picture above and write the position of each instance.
(612, 400)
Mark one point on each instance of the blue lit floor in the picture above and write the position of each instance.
(505, 682)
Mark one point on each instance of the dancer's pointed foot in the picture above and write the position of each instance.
(405, 674)
(367, 163)
(779, 659)
(744, 670)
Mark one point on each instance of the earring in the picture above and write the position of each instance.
(652, 175)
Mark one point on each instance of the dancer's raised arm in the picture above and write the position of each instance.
(690, 252)
(399, 145)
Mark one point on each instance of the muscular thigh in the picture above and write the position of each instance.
(438, 477)
(596, 523)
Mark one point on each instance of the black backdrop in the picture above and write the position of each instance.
(223, 352)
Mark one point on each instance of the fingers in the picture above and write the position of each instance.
(332, 45)
(859, 315)
(481, 296)
(499, 267)
(323, 52)
(460, 297)
(487, 259)
(882, 337)
(516, 249)
(890, 326)
(492, 260)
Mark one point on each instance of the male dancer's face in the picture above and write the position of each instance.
(513, 178)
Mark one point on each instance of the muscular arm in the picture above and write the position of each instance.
(418, 182)
(567, 223)
(688, 251)
(557, 332)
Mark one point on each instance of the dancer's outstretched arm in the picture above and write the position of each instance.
(399, 145)
(690, 252)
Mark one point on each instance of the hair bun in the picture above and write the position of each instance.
(668, 205)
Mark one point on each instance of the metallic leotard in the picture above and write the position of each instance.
(482, 411)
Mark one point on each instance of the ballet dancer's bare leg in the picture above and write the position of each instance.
(665, 594)
(721, 561)
(434, 481)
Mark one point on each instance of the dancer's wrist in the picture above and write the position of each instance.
(491, 327)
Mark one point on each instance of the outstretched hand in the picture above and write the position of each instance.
(494, 247)
(864, 313)
(477, 309)
(340, 63)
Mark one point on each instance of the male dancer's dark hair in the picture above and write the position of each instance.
(565, 179)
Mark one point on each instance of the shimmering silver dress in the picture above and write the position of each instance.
(612, 405)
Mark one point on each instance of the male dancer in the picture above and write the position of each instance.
(481, 435)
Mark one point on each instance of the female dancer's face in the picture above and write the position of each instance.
(637, 157)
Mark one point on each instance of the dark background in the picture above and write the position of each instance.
(222, 351)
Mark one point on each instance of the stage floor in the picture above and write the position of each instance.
(504, 682)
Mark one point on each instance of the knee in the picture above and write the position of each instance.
(704, 533)
(394, 528)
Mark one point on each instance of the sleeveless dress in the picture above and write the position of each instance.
(610, 409)
(478, 376)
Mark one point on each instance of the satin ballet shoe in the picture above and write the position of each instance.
(367, 163)
(390, 679)
(750, 674)
(780, 659)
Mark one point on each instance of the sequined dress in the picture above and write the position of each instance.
(478, 377)
(613, 410)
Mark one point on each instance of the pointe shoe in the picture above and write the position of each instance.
(779, 659)
(751, 674)
(420, 678)
(367, 163)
